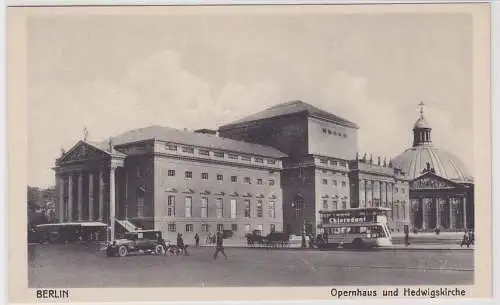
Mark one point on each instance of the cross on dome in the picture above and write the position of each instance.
(421, 109)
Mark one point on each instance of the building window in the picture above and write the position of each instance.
(171, 172)
(188, 175)
(172, 147)
(272, 227)
(220, 208)
(234, 227)
(234, 179)
(402, 190)
(220, 177)
(219, 154)
(395, 190)
(204, 176)
(271, 161)
(233, 208)
(247, 228)
(334, 182)
(272, 209)
(259, 209)
(259, 160)
(204, 207)
(344, 204)
(247, 208)
(343, 164)
(324, 130)
(188, 149)
(335, 205)
(334, 163)
(323, 160)
(325, 204)
(259, 181)
(220, 227)
(171, 205)
(204, 152)
(344, 135)
(247, 180)
(172, 227)
(246, 158)
(205, 227)
(403, 210)
(188, 202)
(329, 131)
(140, 206)
(189, 227)
(344, 184)
(324, 181)
(271, 182)
(233, 156)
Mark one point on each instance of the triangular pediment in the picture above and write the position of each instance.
(432, 181)
(82, 151)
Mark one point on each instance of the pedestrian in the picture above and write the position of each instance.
(219, 245)
(180, 244)
(197, 240)
(311, 241)
(303, 245)
(407, 235)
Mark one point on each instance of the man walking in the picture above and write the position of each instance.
(197, 240)
(407, 235)
(219, 247)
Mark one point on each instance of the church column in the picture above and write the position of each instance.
(60, 189)
(91, 196)
(437, 202)
(112, 200)
(366, 192)
(452, 213)
(101, 195)
(80, 196)
(70, 197)
(423, 202)
(464, 206)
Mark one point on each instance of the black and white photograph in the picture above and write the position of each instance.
(253, 146)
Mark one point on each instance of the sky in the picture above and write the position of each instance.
(112, 74)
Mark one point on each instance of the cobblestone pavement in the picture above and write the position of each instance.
(84, 266)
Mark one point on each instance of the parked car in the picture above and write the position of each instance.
(146, 241)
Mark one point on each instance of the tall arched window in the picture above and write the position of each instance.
(140, 203)
(298, 204)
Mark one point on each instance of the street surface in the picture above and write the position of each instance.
(76, 265)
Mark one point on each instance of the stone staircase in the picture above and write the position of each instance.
(127, 225)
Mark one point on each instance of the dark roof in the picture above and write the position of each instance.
(172, 135)
(293, 107)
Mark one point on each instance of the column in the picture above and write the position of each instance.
(60, 189)
(464, 206)
(70, 198)
(80, 196)
(451, 213)
(383, 201)
(101, 196)
(423, 202)
(91, 196)
(362, 199)
(366, 192)
(112, 201)
(438, 212)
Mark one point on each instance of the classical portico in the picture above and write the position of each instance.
(86, 186)
(440, 203)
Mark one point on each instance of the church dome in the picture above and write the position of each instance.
(422, 123)
(416, 160)
(423, 156)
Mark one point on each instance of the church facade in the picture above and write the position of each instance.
(271, 171)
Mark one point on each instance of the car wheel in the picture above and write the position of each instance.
(160, 250)
(357, 243)
(122, 251)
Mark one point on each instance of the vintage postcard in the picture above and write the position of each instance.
(259, 152)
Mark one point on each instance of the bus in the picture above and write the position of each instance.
(356, 227)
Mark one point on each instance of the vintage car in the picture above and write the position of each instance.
(145, 241)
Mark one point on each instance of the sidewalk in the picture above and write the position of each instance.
(228, 243)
